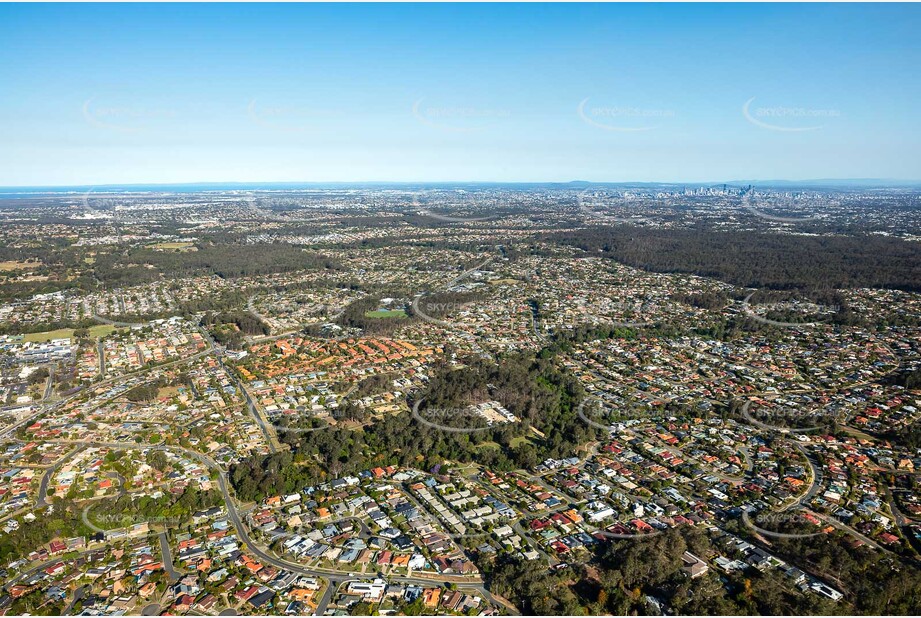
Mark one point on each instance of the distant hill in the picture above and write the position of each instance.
(196, 187)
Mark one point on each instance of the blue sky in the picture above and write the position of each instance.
(93, 94)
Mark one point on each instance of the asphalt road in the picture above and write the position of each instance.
(816, 485)
(42, 499)
(267, 431)
(115, 323)
(168, 565)
(334, 577)
(49, 384)
(270, 439)
(101, 354)
(79, 594)
(26, 421)
(47, 563)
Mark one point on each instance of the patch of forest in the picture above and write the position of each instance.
(230, 328)
(224, 260)
(532, 388)
(622, 575)
(758, 259)
(360, 314)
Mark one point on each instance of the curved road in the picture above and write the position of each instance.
(103, 320)
(262, 554)
(334, 577)
(42, 499)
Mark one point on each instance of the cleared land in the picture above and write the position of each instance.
(519, 440)
(174, 246)
(95, 331)
(13, 265)
(487, 445)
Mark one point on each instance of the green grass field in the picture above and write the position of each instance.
(386, 313)
(95, 331)
(487, 445)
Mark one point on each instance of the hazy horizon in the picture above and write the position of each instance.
(232, 185)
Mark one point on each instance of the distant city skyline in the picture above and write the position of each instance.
(167, 187)
(168, 94)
